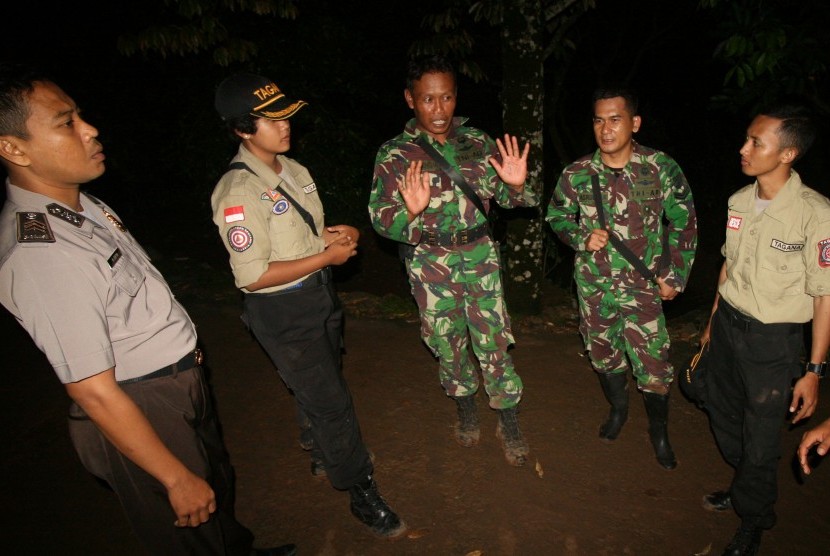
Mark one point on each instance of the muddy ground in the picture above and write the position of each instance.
(576, 496)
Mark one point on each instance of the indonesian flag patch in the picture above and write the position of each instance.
(234, 214)
(824, 253)
(734, 222)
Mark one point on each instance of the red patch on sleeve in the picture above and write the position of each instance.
(734, 222)
(824, 253)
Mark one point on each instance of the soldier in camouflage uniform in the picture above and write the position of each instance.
(453, 264)
(621, 311)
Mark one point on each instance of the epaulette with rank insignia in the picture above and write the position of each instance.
(32, 227)
(65, 214)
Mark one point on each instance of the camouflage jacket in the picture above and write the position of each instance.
(650, 187)
(468, 150)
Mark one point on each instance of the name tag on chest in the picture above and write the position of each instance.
(644, 192)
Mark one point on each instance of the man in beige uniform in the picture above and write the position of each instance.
(86, 292)
(775, 277)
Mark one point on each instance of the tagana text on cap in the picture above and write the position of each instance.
(247, 93)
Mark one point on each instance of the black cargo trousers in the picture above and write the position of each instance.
(301, 330)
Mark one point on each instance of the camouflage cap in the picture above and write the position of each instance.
(247, 93)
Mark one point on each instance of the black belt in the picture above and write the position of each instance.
(453, 239)
(185, 363)
(319, 278)
(746, 323)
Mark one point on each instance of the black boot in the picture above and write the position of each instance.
(615, 388)
(467, 431)
(371, 509)
(657, 409)
(746, 542)
(512, 442)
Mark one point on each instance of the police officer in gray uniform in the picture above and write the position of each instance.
(124, 348)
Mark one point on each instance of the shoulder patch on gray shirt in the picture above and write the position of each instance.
(32, 227)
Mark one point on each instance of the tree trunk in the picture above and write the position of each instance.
(522, 101)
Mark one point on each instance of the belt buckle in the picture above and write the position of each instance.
(199, 356)
(432, 238)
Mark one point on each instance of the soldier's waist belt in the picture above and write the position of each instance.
(452, 239)
(745, 323)
(322, 276)
(187, 362)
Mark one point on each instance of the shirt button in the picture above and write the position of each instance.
(746, 286)
(752, 232)
(783, 267)
(746, 260)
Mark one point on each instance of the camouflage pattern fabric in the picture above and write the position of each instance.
(635, 200)
(458, 289)
(615, 322)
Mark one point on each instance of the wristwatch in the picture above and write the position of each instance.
(817, 368)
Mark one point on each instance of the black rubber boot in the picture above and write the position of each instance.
(372, 510)
(512, 441)
(615, 388)
(467, 431)
(657, 409)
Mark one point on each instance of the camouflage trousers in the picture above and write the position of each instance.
(616, 322)
(457, 316)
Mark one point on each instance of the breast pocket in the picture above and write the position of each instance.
(783, 273)
(290, 236)
(128, 276)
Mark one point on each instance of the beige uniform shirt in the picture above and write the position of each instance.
(86, 292)
(778, 260)
(258, 225)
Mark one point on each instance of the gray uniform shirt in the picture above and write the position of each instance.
(87, 293)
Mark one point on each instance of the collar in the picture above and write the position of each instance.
(780, 205)
(600, 168)
(265, 172)
(35, 202)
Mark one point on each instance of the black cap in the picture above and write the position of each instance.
(246, 93)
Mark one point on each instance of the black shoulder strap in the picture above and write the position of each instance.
(456, 178)
(304, 214)
(616, 241)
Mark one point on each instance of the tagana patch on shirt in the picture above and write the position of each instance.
(734, 222)
(786, 247)
(824, 253)
(234, 214)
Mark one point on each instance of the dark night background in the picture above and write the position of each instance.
(166, 147)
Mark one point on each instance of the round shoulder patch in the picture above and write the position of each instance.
(240, 238)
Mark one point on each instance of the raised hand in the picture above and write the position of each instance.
(415, 189)
(513, 167)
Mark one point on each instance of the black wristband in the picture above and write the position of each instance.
(817, 368)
